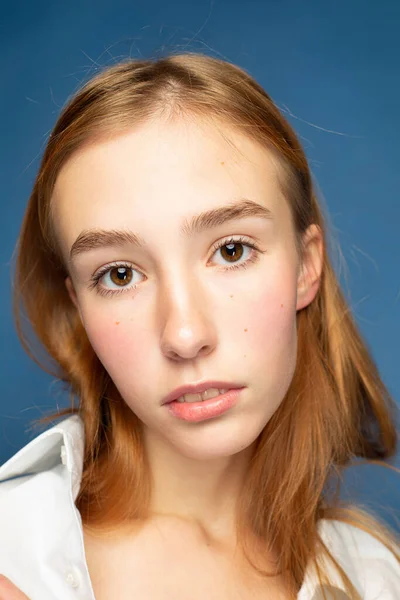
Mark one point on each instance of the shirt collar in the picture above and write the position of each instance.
(62, 443)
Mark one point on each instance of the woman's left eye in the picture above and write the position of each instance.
(230, 250)
(121, 273)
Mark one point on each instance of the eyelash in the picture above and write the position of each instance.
(95, 279)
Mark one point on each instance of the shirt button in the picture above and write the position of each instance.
(63, 455)
(72, 578)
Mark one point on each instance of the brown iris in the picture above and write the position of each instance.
(233, 253)
(121, 275)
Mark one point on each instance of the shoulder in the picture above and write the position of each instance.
(37, 491)
(356, 541)
(372, 567)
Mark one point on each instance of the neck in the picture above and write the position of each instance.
(201, 492)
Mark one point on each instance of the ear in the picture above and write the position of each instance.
(72, 295)
(310, 271)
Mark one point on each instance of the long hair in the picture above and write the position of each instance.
(336, 408)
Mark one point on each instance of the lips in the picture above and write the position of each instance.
(197, 388)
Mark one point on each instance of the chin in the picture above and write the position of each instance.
(212, 444)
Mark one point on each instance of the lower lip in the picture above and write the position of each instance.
(206, 409)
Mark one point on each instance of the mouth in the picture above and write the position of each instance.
(205, 409)
(200, 392)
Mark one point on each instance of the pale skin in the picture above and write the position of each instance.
(188, 319)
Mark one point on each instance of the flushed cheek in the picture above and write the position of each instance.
(269, 332)
(276, 317)
(116, 342)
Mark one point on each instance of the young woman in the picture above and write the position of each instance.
(172, 261)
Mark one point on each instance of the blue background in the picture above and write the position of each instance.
(332, 68)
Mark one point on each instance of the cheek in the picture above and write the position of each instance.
(114, 341)
(268, 330)
(270, 319)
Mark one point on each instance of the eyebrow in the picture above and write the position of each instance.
(91, 239)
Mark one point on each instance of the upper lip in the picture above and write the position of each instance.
(197, 388)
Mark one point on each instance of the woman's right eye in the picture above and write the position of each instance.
(119, 274)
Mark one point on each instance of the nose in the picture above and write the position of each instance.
(188, 325)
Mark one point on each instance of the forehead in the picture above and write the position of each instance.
(161, 172)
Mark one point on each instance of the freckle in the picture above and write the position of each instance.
(281, 305)
(117, 322)
(245, 329)
(231, 296)
(223, 162)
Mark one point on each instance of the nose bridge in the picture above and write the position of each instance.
(186, 325)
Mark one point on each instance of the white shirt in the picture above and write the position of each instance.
(41, 538)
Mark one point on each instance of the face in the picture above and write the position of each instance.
(178, 309)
